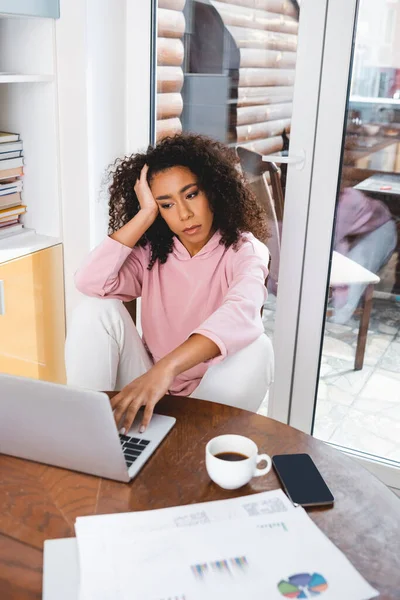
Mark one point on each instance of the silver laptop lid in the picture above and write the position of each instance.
(60, 425)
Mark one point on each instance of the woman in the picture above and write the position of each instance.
(183, 231)
(366, 233)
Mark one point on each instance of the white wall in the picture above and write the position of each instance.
(103, 50)
(106, 96)
(90, 39)
(71, 43)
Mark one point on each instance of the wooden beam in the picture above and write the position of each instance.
(268, 40)
(169, 105)
(248, 96)
(170, 23)
(169, 79)
(172, 4)
(264, 100)
(166, 127)
(265, 77)
(246, 133)
(256, 57)
(170, 52)
(265, 146)
(282, 7)
(242, 16)
(259, 114)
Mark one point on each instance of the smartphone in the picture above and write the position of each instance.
(301, 480)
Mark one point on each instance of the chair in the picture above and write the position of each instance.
(344, 271)
(255, 169)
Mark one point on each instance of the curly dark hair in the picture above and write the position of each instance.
(235, 207)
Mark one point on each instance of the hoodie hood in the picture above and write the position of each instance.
(181, 253)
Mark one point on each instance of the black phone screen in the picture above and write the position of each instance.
(301, 479)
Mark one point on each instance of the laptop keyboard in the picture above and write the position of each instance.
(132, 447)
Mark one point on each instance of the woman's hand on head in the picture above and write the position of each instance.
(144, 195)
(145, 391)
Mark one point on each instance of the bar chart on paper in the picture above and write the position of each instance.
(229, 568)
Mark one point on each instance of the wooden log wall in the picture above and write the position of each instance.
(265, 32)
(170, 55)
(281, 7)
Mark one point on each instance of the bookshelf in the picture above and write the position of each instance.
(31, 263)
(28, 100)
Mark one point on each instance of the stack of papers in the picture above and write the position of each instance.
(255, 547)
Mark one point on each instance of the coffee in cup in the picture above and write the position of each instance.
(231, 461)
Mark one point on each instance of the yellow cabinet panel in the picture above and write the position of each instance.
(32, 316)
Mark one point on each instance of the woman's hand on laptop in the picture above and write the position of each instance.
(145, 391)
(148, 389)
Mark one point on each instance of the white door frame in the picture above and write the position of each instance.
(302, 140)
(335, 85)
(140, 60)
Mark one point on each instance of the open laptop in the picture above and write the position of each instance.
(73, 428)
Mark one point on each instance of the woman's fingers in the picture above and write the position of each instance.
(143, 173)
(144, 195)
(131, 413)
(142, 179)
(148, 413)
(121, 407)
(145, 391)
(115, 400)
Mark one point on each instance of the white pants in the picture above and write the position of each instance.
(104, 351)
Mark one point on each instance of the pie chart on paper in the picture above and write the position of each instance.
(303, 585)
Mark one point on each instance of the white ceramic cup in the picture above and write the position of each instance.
(231, 475)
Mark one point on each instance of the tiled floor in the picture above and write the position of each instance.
(359, 409)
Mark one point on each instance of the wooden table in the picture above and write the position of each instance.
(39, 502)
(371, 152)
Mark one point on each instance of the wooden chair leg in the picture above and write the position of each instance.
(363, 329)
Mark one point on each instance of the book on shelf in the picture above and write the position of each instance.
(15, 154)
(11, 173)
(11, 168)
(10, 147)
(7, 136)
(6, 231)
(10, 201)
(11, 163)
(6, 213)
(10, 222)
(10, 187)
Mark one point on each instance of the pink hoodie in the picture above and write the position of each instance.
(217, 293)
